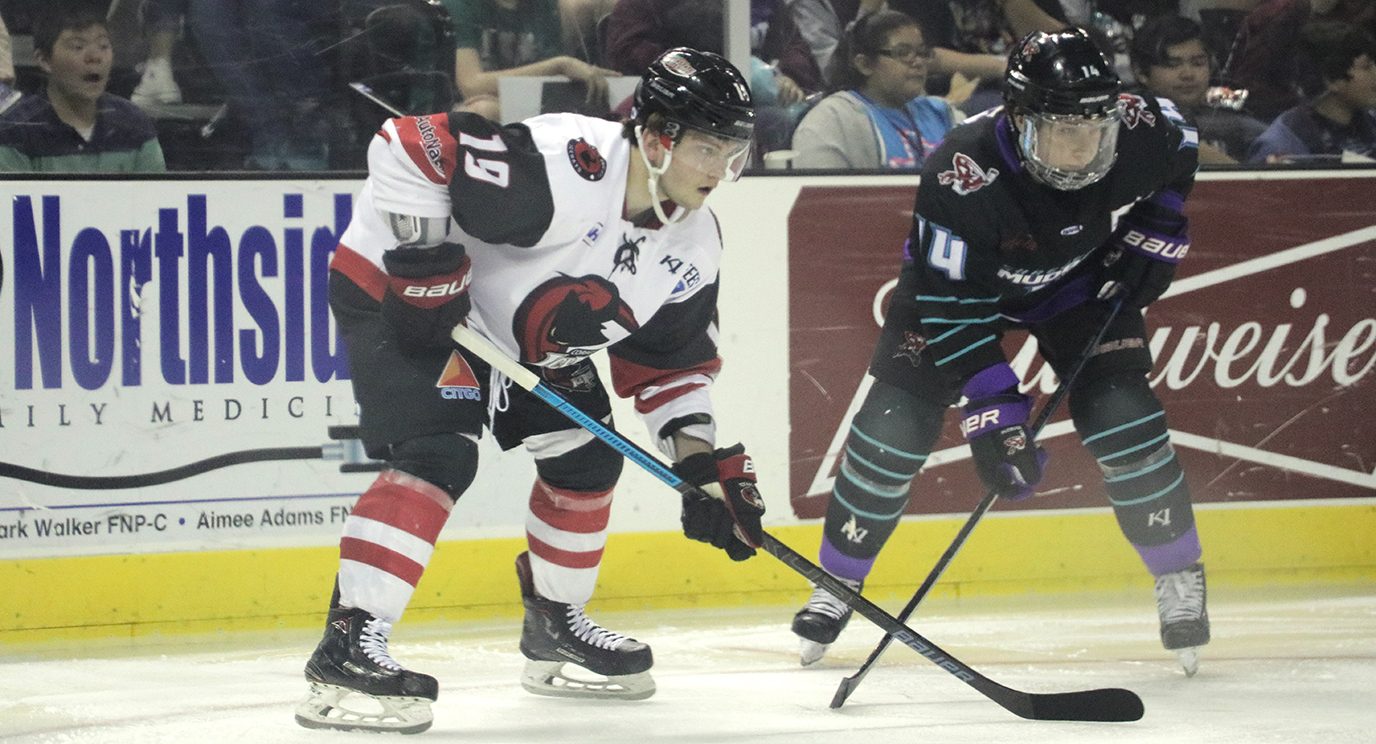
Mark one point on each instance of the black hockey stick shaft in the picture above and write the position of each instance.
(1088, 705)
(848, 684)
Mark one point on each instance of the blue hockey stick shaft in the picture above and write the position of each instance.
(1110, 704)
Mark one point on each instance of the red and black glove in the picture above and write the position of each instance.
(726, 509)
(427, 293)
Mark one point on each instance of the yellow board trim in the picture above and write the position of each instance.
(131, 596)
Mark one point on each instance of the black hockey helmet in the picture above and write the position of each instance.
(1062, 98)
(1060, 73)
(700, 90)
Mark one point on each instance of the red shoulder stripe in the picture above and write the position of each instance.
(426, 139)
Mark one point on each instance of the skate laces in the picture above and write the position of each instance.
(588, 631)
(373, 641)
(1180, 596)
(823, 602)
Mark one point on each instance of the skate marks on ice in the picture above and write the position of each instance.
(1292, 670)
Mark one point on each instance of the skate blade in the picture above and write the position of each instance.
(343, 709)
(548, 678)
(811, 652)
(1189, 660)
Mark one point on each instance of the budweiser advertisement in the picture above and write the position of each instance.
(1264, 347)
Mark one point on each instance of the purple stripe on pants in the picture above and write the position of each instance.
(843, 566)
(1180, 553)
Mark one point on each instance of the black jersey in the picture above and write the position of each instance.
(989, 242)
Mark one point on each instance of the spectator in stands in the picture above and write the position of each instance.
(6, 56)
(1266, 53)
(878, 117)
(972, 39)
(1338, 122)
(73, 124)
(782, 73)
(1169, 61)
(497, 38)
(162, 20)
(822, 22)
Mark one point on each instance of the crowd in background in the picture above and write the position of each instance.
(301, 85)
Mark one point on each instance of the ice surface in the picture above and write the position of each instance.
(1293, 668)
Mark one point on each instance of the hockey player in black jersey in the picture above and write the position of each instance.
(553, 238)
(1014, 227)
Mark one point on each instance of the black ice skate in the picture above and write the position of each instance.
(1181, 603)
(556, 634)
(356, 685)
(820, 621)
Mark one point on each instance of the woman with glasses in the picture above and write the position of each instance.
(878, 115)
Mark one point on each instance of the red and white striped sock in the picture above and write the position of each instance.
(388, 539)
(566, 531)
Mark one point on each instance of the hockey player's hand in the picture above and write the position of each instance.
(1140, 265)
(427, 292)
(727, 510)
(995, 424)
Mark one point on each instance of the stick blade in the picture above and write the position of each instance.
(1105, 705)
(844, 690)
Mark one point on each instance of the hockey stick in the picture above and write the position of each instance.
(848, 684)
(1110, 704)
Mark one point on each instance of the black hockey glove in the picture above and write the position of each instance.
(427, 293)
(1140, 264)
(728, 513)
(995, 424)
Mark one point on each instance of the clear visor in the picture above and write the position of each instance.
(1070, 152)
(712, 155)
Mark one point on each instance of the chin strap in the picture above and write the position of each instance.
(653, 180)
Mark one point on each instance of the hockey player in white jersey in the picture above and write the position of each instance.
(553, 238)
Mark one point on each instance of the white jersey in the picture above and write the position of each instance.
(558, 270)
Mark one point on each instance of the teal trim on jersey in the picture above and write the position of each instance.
(865, 484)
(1130, 450)
(958, 300)
(1149, 497)
(877, 443)
(1128, 425)
(850, 453)
(964, 321)
(1148, 469)
(948, 334)
(965, 350)
(836, 494)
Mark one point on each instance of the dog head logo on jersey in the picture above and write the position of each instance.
(965, 176)
(911, 347)
(586, 160)
(1135, 110)
(567, 318)
(457, 381)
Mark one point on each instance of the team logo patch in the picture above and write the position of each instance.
(679, 65)
(587, 162)
(627, 254)
(1015, 443)
(965, 176)
(911, 347)
(1135, 110)
(567, 318)
(457, 381)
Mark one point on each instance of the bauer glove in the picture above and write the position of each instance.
(427, 293)
(995, 423)
(726, 509)
(1140, 264)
